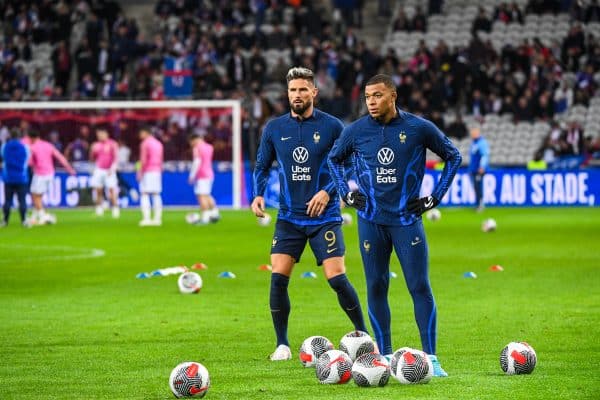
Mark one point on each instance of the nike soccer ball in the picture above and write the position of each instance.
(192, 218)
(189, 379)
(264, 221)
(357, 343)
(371, 369)
(434, 214)
(518, 358)
(411, 366)
(488, 225)
(189, 282)
(346, 218)
(334, 366)
(312, 348)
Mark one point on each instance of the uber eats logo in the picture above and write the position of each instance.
(299, 173)
(385, 156)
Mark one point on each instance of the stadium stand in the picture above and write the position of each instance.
(518, 69)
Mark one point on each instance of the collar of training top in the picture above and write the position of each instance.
(315, 115)
(399, 115)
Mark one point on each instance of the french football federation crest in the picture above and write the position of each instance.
(402, 137)
(274, 242)
(316, 137)
(367, 246)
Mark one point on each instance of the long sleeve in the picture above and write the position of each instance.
(443, 147)
(341, 150)
(264, 160)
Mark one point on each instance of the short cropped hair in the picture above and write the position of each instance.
(15, 133)
(382, 78)
(300, 73)
(34, 134)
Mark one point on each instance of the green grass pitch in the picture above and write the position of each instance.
(76, 323)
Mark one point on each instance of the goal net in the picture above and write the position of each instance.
(70, 125)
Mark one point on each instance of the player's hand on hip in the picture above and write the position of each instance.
(419, 206)
(356, 200)
(317, 204)
(258, 206)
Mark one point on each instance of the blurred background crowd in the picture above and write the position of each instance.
(543, 82)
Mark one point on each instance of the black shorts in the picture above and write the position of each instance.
(325, 240)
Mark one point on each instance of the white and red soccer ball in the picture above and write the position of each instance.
(518, 358)
(334, 367)
(357, 343)
(189, 282)
(411, 366)
(489, 225)
(371, 369)
(189, 379)
(312, 348)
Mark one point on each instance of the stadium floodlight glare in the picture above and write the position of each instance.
(233, 105)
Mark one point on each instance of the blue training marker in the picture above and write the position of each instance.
(309, 274)
(472, 275)
(143, 275)
(227, 274)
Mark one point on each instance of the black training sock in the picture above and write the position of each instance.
(348, 299)
(279, 301)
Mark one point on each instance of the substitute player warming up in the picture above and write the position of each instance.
(389, 146)
(309, 204)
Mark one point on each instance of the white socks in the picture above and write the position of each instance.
(157, 203)
(145, 206)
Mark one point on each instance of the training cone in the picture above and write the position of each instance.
(227, 274)
(199, 266)
(309, 274)
(265, 267)
(496, 268)
(471, 275)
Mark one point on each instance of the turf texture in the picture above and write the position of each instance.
(76, 323)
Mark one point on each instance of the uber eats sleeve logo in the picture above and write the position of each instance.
(299, 173)
(385, 156)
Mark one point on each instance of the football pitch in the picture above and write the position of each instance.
(77, 324)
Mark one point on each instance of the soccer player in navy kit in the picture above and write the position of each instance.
(389, 147)
(309, 208)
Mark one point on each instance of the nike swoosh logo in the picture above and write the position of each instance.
(415, 242)
(194, 390)
(285, 138)
(329, 251)
(429, 202)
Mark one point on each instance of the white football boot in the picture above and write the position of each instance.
(281, 353)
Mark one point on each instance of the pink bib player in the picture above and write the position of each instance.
(104, 153)
(151, 155)
(204, 152)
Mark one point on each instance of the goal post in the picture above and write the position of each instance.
(161, 109)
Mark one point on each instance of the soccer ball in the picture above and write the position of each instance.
(264, 221)
(371, 369)
(189, 379)
(357, 343)
(312, 348)
(192, 218)
(488, 225)
(346, 218)
(189, 282)
(434, 214)
(518, 358)
(411, 366)
(334, 366)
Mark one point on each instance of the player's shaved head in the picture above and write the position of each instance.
(300, 73)
(382, 78)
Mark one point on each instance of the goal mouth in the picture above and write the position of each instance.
(219, 121)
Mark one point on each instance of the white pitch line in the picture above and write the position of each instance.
(77, 252)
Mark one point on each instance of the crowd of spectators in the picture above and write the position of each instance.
(98, 52)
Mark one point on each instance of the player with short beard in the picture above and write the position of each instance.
(309, 207)
(389, 148)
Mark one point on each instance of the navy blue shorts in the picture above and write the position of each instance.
(325, 240)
